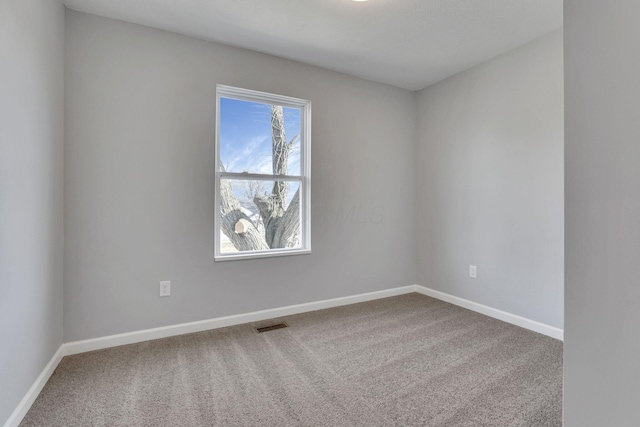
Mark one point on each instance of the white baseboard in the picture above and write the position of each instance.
(514, 319)
(23, 407)
(221, 322)
(168, 331)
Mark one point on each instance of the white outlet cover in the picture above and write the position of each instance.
(165, 288)
(473, 271)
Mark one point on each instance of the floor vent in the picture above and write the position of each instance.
(272, 327)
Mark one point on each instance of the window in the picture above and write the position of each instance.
(262, 177)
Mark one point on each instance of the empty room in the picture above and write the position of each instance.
(319, 213)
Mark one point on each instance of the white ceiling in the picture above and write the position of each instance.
(406, 43)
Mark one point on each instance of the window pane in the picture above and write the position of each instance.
(259, 215)
(251, 132)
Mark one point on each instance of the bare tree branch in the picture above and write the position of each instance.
(293, 141)
(287, 234)
(272, 207)
(267, 207)
(231, 213)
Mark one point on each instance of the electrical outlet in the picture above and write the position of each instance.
(165, 288)
(473, 272)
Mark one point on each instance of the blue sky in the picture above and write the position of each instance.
(245, 136)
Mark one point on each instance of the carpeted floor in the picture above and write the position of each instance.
(404, 361)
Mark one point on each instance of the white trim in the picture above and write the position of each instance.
(259, 177)
(25, 404)
(221, 322)
(514, 319)
(256, 95)
(264, 254)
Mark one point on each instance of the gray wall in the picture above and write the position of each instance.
(490, 182)
(602, 349)
(31, 202)
(139, 182)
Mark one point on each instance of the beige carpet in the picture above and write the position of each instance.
(404, 361)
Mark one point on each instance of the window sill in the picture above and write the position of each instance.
(256, 254)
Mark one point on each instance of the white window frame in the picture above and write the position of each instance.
(304, 178)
